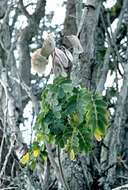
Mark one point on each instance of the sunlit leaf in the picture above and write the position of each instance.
(74, 119)
(98, 135)
(36, 152)
(75, 42)
(25, 159)
(72, 155)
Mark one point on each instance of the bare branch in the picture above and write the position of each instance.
(54, 164)
(13, 138)
(121, 187)
(23, 9)
(105, 68)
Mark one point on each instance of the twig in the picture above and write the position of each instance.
(54, 164)
(108, 168)
(105, 68)
(46, 175)
(1, 146)
(121, 187)
(8, 188)
(52, 184)
(61, 170)
(7, 156)
(4, 83)
(28, 91)
(23, 9)
(78, 11)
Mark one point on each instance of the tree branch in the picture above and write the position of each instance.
(23, 9)
(121, 187)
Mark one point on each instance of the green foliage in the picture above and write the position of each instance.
(36, 152)
(70, 117)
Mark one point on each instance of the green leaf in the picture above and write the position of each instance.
(98, 134)
(60, 80)
(74, 119)
(70, 117)
(85, 138)
(100, 103)
(61, 93)
(72, 155)
(97, 116)
(32, 165)
(71, 105)
(67, 87)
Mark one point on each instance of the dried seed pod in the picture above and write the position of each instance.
(38, 62)
(48, 45)
(62, 58)
(75, 42)
(61, 62)
(39, 59)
